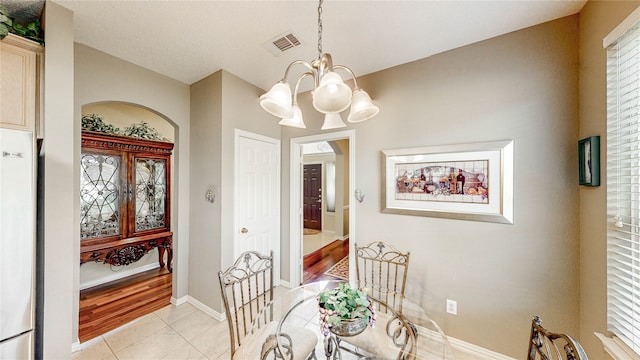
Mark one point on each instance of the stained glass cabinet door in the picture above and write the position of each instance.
(150, 183)
(124, 199)
(101, 187)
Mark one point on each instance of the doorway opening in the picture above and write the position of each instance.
(321, 218)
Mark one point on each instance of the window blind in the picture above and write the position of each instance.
(623, 187)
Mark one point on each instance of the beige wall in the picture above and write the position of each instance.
(597, 19)
(220, 103)
(520, 86)
(343, 162)
(240, 110)
(62, 178)
(103, 78)
(206, 159)
(122, 115)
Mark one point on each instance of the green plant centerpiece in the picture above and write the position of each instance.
(345, 311)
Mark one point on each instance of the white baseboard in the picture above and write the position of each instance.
(179, 301)
(209, 311)
(476, 351)
(75, 346)
(459, 346)
(118, 275)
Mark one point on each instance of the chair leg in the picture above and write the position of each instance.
(312, 355)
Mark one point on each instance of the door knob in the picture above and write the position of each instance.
(244, 230)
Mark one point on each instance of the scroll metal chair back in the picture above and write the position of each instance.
(545, 345)
(382, 269)
(247, 287)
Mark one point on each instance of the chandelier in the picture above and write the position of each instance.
(330, 95)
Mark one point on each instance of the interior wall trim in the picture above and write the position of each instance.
(124, 273)
(207, 310)
(477, 352)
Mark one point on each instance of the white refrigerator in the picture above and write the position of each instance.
(17, 244)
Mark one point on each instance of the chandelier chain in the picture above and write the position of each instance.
(320, 28)
(330, 97)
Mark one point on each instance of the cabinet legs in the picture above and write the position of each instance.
(161, 250)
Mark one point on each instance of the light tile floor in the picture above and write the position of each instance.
(182, 333)
(173, 332)
(311, 243)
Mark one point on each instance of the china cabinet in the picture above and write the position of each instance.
(124, 199)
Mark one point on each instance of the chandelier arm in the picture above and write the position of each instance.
(301, 62)
(295, 91)
(353, 76)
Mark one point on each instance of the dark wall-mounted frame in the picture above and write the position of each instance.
(589, 161)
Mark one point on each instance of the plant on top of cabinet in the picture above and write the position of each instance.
(31, 31)
(143, 131)
(95, 122)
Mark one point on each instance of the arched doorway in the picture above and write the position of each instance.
(114, 294)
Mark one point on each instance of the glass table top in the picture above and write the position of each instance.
(403, 330)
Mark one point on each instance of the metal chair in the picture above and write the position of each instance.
(382, 269)
(545, 345)
(247, 290)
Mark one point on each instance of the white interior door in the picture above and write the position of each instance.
(258, 196)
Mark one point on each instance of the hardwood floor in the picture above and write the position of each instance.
(106, 307)
(319, 261)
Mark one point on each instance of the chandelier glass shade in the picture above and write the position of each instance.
(330, 95)
(332, 121)
(295, 120)
(277, 101)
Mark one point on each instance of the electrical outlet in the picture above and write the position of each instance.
(452, 307)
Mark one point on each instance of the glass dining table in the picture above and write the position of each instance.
(403, 330)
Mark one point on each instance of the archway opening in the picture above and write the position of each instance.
(125, 204)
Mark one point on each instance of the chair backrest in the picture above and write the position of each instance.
(246, 287)
(382, 269)
(546, 345)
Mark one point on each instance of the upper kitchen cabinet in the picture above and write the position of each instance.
(20, 84)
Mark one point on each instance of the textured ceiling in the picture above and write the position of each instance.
(188, 40)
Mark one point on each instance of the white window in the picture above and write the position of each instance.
(623, 184)
(330, 181)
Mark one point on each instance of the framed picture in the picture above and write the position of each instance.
(465, 181)
(589, 161)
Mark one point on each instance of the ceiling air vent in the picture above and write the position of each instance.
(282, 43)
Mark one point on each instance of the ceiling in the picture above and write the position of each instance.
(189, 40)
